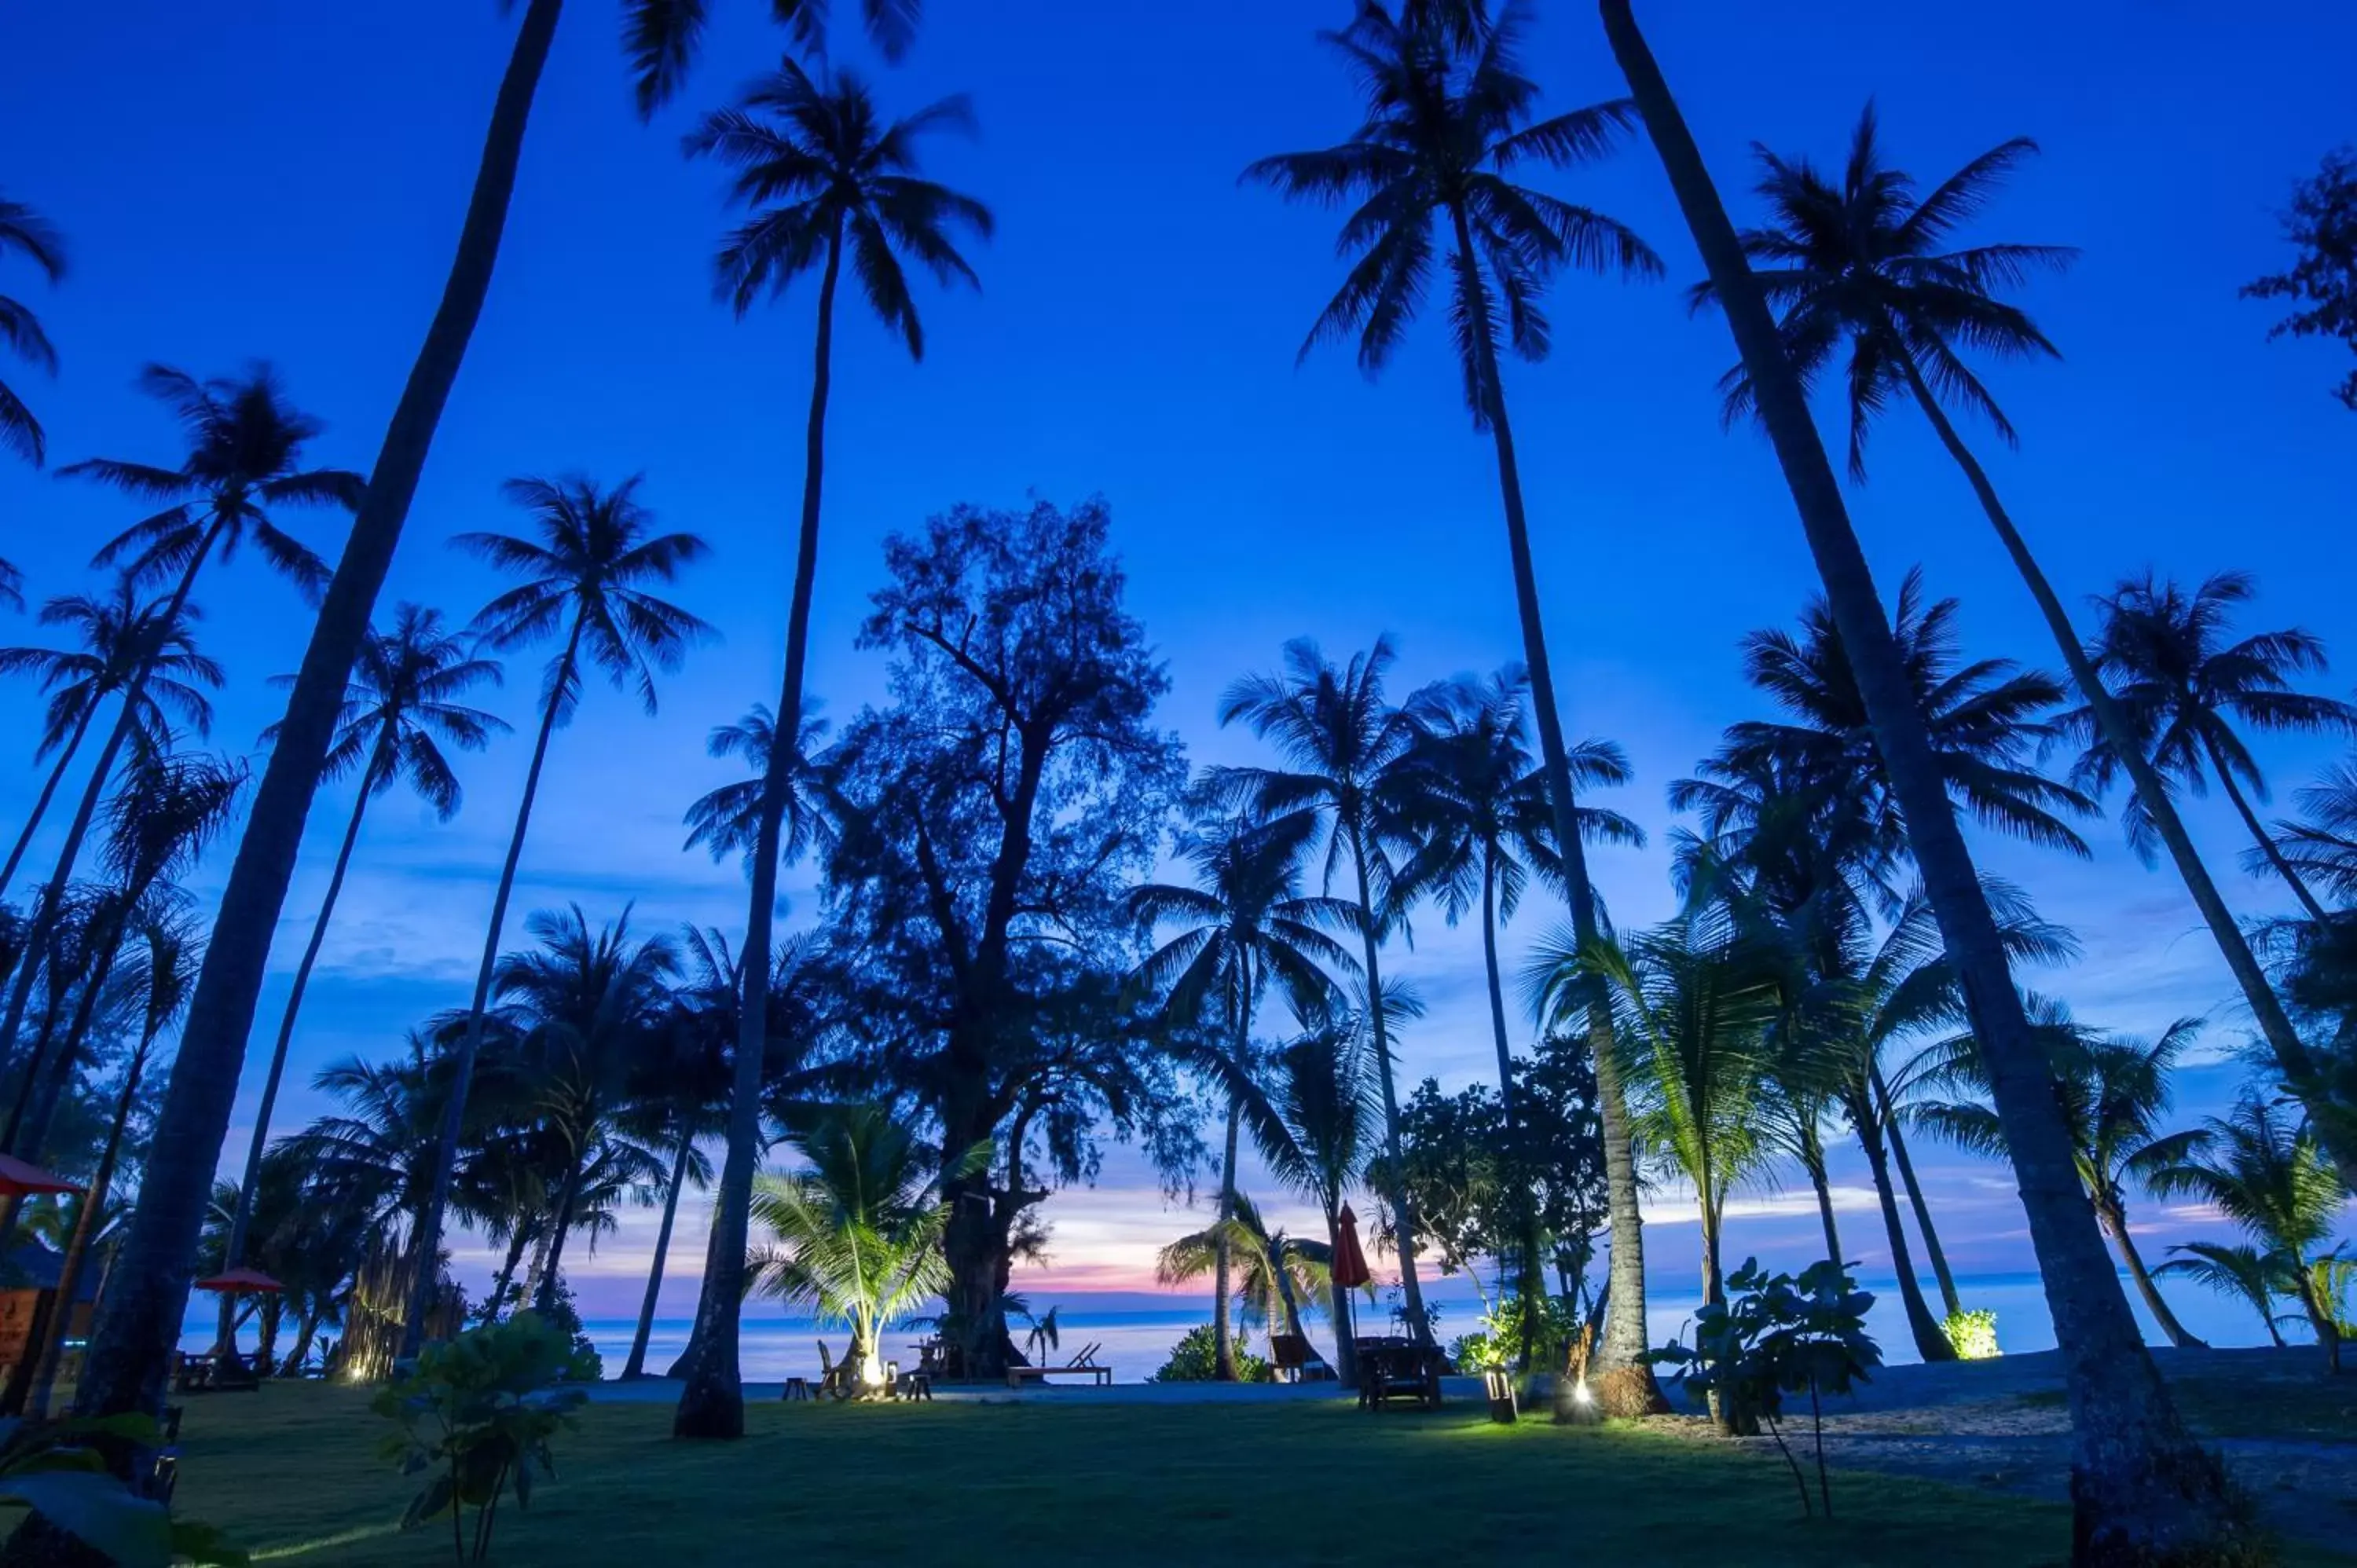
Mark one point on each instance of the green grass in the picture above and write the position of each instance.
(292, 1475)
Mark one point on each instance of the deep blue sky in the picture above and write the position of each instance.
(286, 180)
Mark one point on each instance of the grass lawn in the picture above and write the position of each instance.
(292, 1474)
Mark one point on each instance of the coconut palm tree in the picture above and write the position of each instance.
(1341, 741)
(587, 577)
(2164, 654)
(856, 1235)
(117, 637)
(826, 179)
(400, 710)
(1450, 118)
(245, 451)
(2321, 846)
(1272, 1272)
(127, 1359)
(29, 234)
(1316, 1123)
(2114, 1093)
(1246, 923)
(172, 944)
(727, 821)
(2266, 1172)
(1866, 264)
(2232, 1269)
(2140, 1484)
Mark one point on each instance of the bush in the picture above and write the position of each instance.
(57, 1470)
(476, 1413)
(1971, 1334)
(1195, 1357)
(582, 1364)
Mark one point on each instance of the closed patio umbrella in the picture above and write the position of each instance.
(1350, 1269)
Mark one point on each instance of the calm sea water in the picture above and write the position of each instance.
(1135, 1342)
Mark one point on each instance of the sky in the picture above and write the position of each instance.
(283, 181)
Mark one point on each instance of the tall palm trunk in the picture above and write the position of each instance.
(1812, 1160)
(1223, 1334)
(49, 791)
(462, 1067)
(1530, 1283)
(51, 901)
(1622, 1380)
(713, 1402)
(2115, 1225)
(1395, 1163)
(1933, 1252)
(143, 1312)
(244, 1215)
(1931, 1341)
(636, 1367)
(2291, 1054)
(2320, 1311)
(519, 1236)
(93, 1203)
(2141, 1490)
(2274, 857)
(544, 1299)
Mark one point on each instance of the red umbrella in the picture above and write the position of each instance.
(242, 1281)
(18, 1179)
(1350, 1269)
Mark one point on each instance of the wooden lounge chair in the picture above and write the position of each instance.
(1082, 1365)
(834, 1377)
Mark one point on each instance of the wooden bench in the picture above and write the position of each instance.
(1398, 1369)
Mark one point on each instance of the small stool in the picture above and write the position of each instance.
(917, 1386)
(797, 1389)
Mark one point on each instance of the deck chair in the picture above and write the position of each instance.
(834, 1377)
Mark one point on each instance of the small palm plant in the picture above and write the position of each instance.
(856, 1235)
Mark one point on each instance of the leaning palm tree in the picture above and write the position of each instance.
(29, 234)
(245, 457)
(117, 637)
(827, 179)
(1246, 923)
(660, 38)
(2114, 1093)
(400, 710)
(1340, 741)
(1316, 1123)
(1867, 264)
(2141, 1487)
(587, 574)
(2266, 1172)
(856, 1235)
(2183, 684)
(1449, 119)
(2236, 1269)
(1272, 1273)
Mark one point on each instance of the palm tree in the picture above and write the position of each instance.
(857, 1236)
(2267, 1176)
(585, 575)
(126, 1364)
(23, 230)
(2140, 1485)
(2322, 847)
(826, 177)
(117, 637)
(2181, 684)
(2232, 1269)
(1317, 1124)
(2114, 1093)
(167, 971)
(1273, 1271)
(1866, 264)
(1341, 740)
(727, 821)
(245, 445)
(1247, 922)
(400, 710)
(1450, 117)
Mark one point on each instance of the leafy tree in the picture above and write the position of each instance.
(400, 710)
(1246, 922)
(2141, 1485)
(2114, 1093)
(119, 636)
(825, 177)
(857, 1236)
(2322, 225)
(588, 574)
(1864, 264)
(2182, 685)
(995, 813)
(1450, 118)
(32, 236)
